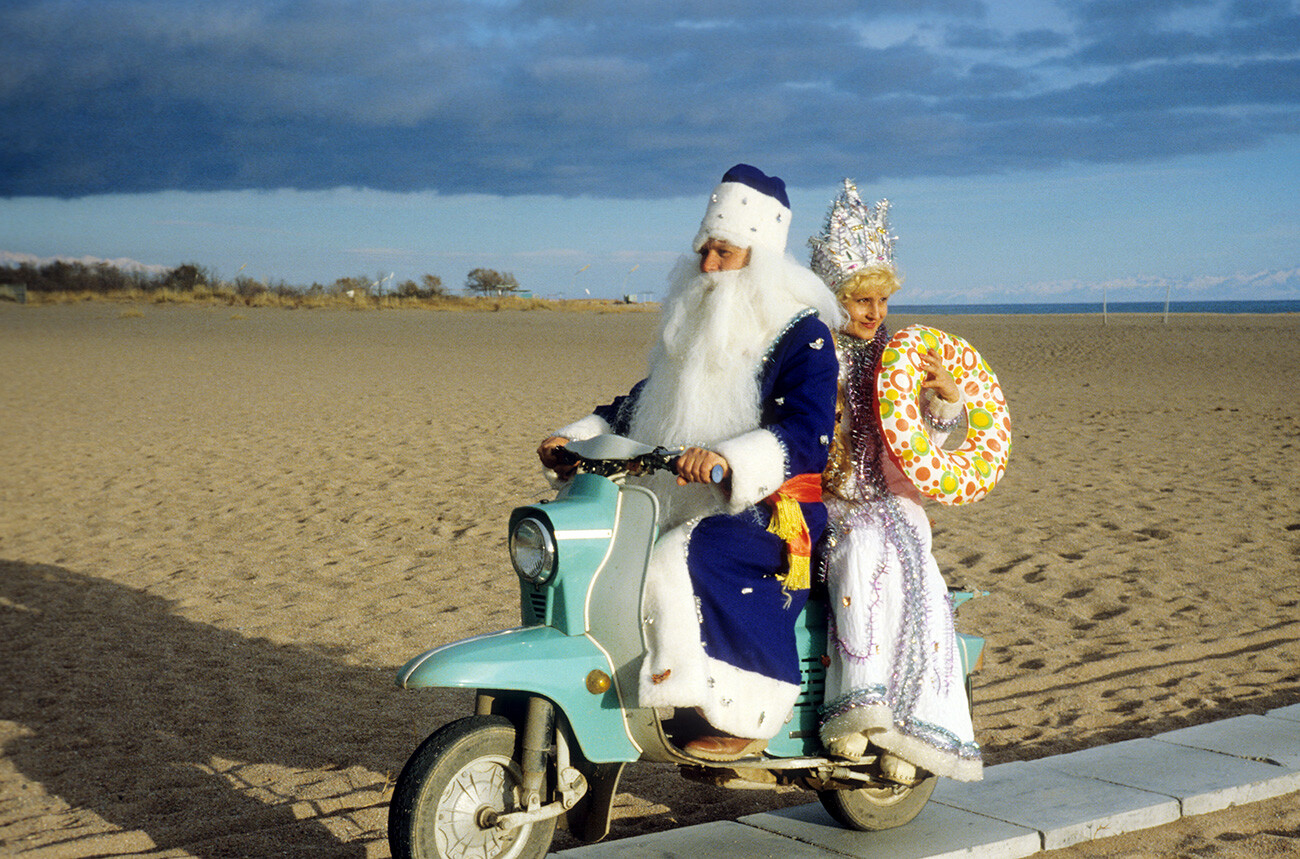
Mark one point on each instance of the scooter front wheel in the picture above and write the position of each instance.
(454, 785)
(872, 809)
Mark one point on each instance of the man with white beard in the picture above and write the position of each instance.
(743, 375)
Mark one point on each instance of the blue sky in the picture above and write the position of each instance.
(1032, 150)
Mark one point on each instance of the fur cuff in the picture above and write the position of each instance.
(591, 425)
(940, 408)
(757, 461)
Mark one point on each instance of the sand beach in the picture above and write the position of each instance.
(223, 529)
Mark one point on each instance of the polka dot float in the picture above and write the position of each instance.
(957, 476)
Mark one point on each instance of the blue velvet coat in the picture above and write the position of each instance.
(747, 618)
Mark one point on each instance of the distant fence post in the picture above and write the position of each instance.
(13, 292)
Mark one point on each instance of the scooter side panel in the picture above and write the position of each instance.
(799, 737)
(971, 646)
(613, 605)
(538, 660)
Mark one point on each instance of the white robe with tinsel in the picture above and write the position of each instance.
(895, 672)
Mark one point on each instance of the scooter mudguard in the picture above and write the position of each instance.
(539, 660)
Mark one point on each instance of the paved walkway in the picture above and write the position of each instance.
(1020, 809)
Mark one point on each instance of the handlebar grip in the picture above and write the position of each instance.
(717, 474)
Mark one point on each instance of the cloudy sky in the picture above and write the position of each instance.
(1032, 150)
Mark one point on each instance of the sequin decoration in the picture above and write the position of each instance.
(855, 237)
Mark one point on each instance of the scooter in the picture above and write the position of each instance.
(556, 718)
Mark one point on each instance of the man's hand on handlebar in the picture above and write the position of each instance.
(692, 465)
(696, 465)
(546, 452)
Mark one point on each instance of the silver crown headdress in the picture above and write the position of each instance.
(855, 237)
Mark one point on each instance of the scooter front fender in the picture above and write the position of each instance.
(539, 660)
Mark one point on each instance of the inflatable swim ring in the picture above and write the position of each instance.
(957, 476)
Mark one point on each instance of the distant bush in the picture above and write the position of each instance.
(487, 281)
(64, 282)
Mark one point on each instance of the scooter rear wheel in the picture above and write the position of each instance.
(871, 809)
(461, 774)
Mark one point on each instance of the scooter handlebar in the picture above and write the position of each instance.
(658, 459)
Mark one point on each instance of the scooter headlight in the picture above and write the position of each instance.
(532, 551)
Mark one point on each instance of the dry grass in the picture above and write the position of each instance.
(323, 301)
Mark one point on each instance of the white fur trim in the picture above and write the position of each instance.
(877, 722)
(757, 462)
(744, 217)
(591, 425)
(739, 702)
(745, 703)
(588, 427)
(670, 620)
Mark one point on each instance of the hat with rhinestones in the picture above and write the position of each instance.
(748, 209)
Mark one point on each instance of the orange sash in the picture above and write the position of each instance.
(788, 524)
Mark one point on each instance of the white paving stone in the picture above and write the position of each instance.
(1258, 738)
(1292, 713)
(938, 832)
(1021, 808)
(1200, 780)
(718, 840)
(1066, 809)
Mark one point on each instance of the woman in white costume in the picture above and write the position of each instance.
(895, 679)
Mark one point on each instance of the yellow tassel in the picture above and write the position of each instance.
(799, 578)
(788, 524)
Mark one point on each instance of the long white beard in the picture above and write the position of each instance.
(703, 382)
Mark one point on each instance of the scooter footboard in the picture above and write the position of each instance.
(538, 660)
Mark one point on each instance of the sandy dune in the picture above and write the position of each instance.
(222, 530)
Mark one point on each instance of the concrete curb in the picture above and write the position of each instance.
(1023, 808)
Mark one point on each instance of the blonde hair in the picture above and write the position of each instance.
(877, 280)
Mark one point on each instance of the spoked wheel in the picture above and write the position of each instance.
(452, 788)
(875, 808)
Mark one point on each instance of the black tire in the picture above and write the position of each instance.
(461, 769)
(871, 809)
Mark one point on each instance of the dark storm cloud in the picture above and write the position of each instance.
(638, 98)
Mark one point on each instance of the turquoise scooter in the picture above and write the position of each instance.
(556, 720)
